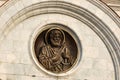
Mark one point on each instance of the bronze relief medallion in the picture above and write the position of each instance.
(55, 48)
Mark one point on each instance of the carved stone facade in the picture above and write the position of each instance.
(112, 1)
(59, 40)
(55, 49)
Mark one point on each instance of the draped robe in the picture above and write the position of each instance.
(55, 61)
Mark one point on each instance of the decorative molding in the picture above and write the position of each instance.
(111, 1)
(32, 50)
(107, 10)
(81, 14)
(6, 5)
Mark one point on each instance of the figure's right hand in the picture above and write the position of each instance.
(56, 58)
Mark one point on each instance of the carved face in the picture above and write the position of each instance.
(55, 37)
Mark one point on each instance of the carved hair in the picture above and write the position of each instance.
(51, 31)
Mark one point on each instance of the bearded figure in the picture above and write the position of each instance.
(54, 55)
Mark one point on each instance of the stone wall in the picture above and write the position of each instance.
(96, 30)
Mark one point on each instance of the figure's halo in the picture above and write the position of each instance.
(48, 34)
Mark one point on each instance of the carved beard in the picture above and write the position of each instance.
(56, 43)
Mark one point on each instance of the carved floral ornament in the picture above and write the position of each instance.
(56, 49)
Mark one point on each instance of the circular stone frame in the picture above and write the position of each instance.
(66, 29)
(73, 9)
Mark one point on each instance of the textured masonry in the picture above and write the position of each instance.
(96, 25)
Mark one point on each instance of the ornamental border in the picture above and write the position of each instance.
(79, 13)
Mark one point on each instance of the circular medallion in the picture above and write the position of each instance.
(56, 49)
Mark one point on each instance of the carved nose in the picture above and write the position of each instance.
(56, 38)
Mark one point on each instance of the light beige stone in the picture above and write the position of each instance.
(16, 62)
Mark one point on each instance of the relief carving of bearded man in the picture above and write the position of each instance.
(55, 56)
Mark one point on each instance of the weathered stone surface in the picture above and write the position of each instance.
(98, 33)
